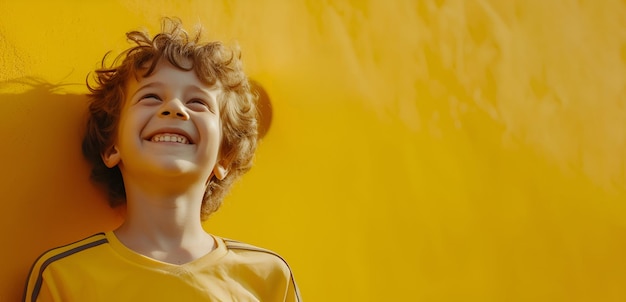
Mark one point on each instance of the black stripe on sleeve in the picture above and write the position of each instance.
(75, 250)
(237, 245)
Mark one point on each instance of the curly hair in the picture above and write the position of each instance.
(212, 62)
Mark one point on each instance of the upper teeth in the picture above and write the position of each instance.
(168, 137)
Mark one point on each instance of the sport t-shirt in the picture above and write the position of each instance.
(101, 268)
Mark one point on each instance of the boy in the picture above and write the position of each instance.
(170, 129)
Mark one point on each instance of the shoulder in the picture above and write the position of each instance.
(241, 247)
(62, 252)
(255, 254)
(70, 253)
(267, 263)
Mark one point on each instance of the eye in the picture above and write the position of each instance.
(150, 98)
(199, 104)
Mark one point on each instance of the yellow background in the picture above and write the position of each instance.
(419, 150)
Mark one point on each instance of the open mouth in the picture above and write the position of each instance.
(170, 137)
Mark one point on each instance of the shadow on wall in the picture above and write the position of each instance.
(47, 197)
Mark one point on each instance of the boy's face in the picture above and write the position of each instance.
(169, 126)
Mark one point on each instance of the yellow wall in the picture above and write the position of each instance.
(419, 150)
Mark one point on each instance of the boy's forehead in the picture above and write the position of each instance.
(165, 74)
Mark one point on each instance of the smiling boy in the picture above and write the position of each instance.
(170, 129)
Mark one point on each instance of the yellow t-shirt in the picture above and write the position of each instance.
(101, 268)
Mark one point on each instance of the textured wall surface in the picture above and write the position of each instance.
(424, 150)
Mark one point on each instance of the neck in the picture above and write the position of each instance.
(165, 224)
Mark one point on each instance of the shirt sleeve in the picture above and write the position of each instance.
(37, 290)
(293, 293)
(45, 295)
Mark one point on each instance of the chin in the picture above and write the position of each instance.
(175, 168)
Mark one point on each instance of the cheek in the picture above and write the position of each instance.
(129, 128)
(213, 135)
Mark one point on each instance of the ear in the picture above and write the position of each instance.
(220, 170)
(222, 167)
(111, 157)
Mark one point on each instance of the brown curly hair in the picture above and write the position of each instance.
(212, 62)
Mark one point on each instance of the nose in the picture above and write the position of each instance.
(175, 109)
